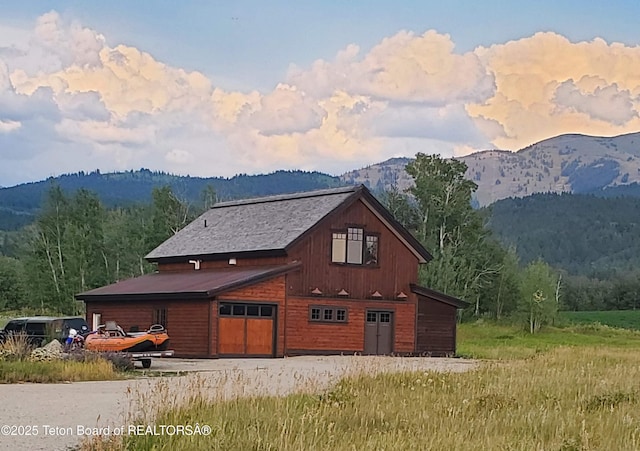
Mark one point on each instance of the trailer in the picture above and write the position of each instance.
(145, 357)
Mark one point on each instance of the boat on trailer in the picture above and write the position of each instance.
(110, 337)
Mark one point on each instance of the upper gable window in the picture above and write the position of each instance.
(354, 247)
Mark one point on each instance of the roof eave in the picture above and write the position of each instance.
(438, 296)
(191, 295)
(410, 241)
(220, 256)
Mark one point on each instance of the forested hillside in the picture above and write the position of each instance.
(594, 241)
(583, 234)
(19, 204)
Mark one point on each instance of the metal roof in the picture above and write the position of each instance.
(438, 296)
(200, 284)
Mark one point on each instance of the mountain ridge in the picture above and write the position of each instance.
(566, 163)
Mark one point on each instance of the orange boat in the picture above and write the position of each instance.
(111, 337)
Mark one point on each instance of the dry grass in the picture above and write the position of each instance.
(56, 371)
(16, 365)
(15, 347)
(565, 399)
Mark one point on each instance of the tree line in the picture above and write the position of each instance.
(469, 262)
(76, 243)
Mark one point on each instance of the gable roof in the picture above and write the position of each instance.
(201, 284)
(269, 225)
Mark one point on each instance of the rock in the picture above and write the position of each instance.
(51, 351)
(53, 346)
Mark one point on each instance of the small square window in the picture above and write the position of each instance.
(372, 317)
(253, 310)
(266, 310)
(328, 314)
(238, 310)
(225, 309)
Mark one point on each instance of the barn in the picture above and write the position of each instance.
(321, 272)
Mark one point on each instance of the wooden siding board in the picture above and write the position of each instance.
(436, 328)
(218, 264)
(398, 266)
(187, 321)
(303, 334)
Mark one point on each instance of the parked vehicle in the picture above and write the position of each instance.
(41, 329)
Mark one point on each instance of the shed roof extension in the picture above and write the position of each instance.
(268, 225)
(438, 296)
(201, 284)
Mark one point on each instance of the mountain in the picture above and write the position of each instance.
(566, 163)
(381, 176)
(19, 204)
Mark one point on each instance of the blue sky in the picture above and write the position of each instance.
(218, 88)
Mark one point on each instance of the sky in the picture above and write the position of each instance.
(217, 88)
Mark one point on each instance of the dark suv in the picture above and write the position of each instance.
(42, 329)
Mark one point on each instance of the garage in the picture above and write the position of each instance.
(246, 329)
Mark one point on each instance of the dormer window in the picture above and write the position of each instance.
(354, 247)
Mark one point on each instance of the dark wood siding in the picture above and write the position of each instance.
(187, 321)
(436, 328)
(240, 262)
(397, 266)
(305, 336)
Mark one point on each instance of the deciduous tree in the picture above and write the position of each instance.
(539, 288)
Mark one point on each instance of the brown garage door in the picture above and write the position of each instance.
(246, 330)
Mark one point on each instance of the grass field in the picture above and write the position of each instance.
(563, 389)
(502, 342)
(625, 319)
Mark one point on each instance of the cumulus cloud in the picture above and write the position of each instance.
(608, 103)
(286, 110)
(70, 101)
(536, 95)
(403, 67)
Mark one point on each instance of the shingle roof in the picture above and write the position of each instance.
(268, 225)
(202, 284)
(262, 224)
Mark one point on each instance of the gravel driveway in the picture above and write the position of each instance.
(59, 416)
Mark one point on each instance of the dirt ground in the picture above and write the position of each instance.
(59, 416)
